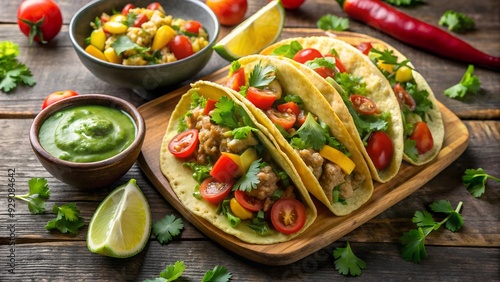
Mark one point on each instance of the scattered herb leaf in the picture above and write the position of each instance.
(404, 2)
(347, 263)
(475, 181)
(457, 22)
(331, 22)
(12, 71)
(470, 83)
(164, 229)
(68, 219)
(218, 274)
(38, 193)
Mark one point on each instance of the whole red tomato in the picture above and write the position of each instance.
(40, 20)
(229, 12)
(292, 4)
(57, 96)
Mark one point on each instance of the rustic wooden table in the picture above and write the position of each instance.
(29, 252)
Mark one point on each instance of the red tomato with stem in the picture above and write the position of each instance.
(261, 98)
(184, 143)
(215, 191)
(228, 12)
(40, 20)
(307, 54)
(57, 96)
(363, 105)
(288, 215)
(292, 4)
(423, 137)
(237, 79)
(181, 47)
(380, 149)
(248, 202)
(193, 26)
(284, 119)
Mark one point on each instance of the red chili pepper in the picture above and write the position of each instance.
(412, 31)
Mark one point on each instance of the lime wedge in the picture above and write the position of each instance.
(121, 225)
(254, 34)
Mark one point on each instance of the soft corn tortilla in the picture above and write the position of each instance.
(183, 184)
(378, 89)
(295, 82)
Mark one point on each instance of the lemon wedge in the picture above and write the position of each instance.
(254, 34)
(121, 225)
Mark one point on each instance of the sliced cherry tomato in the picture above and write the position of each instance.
(301, 118)
(225, 169)
(40, 20)
(209, 106)
(248, 202)
(192, 26)
(153, 6)
(127, 8)
(363, 105)
(423, 137)
(292, 4)
(364, 47)
(284, 119)
(181, 47)
(237, 79)
(57, 96)
(325, 72)
(288, 215)
(215, 191)
(261, 98)
(289, 106)
(140, 19)
(184, 143)
(380, 149)
(307, 54)
(338, 63)
(404, 98)
(228, 12)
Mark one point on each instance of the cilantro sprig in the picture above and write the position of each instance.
(457, 22)
(37, 195)
(469, 83)
(250, 180)
(166, 228)
(68, 219)
(413, 241)
(346, 262)
(12, 72)
(170, 273)
(218, 274)
(332, 22)
(475, 181)
(261, 76)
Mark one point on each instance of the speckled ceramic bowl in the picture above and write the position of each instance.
(150, 77)
(89, 175)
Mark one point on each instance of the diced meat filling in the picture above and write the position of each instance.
(267, 183)
(313, 160)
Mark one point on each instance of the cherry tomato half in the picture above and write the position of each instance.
(307, 54)
(57, 96)
(380, 149)
(325, 72)
(261, 98)
(127, 8)
(225, 169)
(214, 191)
(404, 98)
(364, 47)
(181, 47)
(288, 215)
(423, 137)
(40, 20)
(289, 106)
(292, 4)
(284, 119)
(248, 202)
(140, 19)
(154, 6)
(184, 143)
(192, 26)
(363, 105)
(237, 79)
(228, 12)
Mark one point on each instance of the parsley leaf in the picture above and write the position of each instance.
(413, 241)
(218, 274)
(124, 43)
(68, 219)
(288, 50)
(470, 83)
(346, 262)
(260, 77)
(475, 181)
(312, 134)
(223, 114)
(331, 22)
(11, 70)
(250, 180)
(170, 273)
(38, 193)
(457, 22)
(242, 132)
(164, 229)
(404, 2)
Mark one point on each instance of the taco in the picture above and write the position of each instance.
(357, 92)
(302, 123)
(224, 169)
(422, 120)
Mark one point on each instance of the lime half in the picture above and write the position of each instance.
(254, 34)
(121, 225)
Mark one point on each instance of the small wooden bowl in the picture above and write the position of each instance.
(91, 175)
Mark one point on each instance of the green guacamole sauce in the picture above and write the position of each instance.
(87, 133)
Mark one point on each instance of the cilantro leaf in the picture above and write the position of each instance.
(469, 83)
(423, 219)
(331, 22)
(414, 245)
(312, 134)
(164, 229)
(288, 50)
(328, 62)
(404, 2)
(38, 193)
(475, 181)
(124, 43)
(250, 180)
(410, 149)
(68, 219)
(223, 114)
(242, 132)
(170, 273)
(11, 70)
(457, 22)
(218, 274)
(454, 219)
(346, 262)
(260, 77)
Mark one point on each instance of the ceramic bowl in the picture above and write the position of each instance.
(90, 175)
(144, 79)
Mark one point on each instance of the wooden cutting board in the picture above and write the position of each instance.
(327, 228)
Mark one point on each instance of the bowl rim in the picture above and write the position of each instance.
(95, 99)
(82, 51)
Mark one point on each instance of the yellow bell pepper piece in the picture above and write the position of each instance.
(387, 67)
(247, 158)
(239, 211)
(163, 35)
(115, 27)
(112, 56)
(337, 157)
(404, 74)
(92, 50)
(98, 38)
